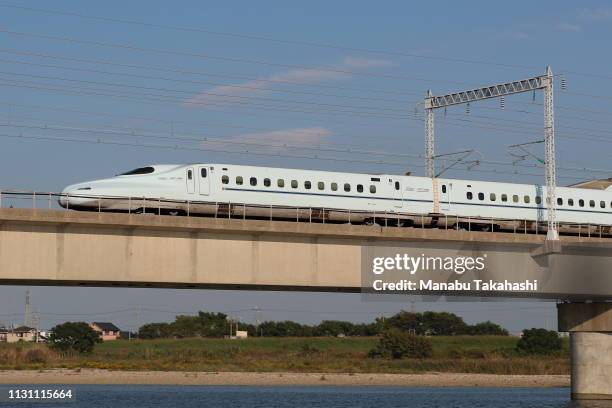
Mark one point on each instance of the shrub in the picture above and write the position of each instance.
(397, 344)
(539, 341)
(74, 336)
(36, 355)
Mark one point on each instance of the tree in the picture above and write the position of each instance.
(334, 328)
(406, 321)
(75, 336)
(487, 328)
(539, 341)
(397, 344)
(155, 331)
(443, 324)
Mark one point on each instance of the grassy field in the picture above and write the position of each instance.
(467, 354)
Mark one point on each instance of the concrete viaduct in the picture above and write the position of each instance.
(50, 247)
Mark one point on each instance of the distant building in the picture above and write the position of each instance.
(3, 333)
(107, 331)
(242, 334)
(21, 333)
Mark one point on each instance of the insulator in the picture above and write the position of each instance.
(467, 109)
(502, 102)
(563, 83)
(416, 113)
(533, 97)
(445, 111)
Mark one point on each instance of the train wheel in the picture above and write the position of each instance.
(368, 222)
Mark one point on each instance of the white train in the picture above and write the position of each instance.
(249, 191)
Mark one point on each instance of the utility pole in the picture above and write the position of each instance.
(429, 136)
(549, 146)
(26, 312)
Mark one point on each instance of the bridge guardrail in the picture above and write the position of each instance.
(157, 206)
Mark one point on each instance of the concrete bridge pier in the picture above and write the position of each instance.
(590, 328)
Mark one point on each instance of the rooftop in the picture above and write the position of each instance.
(600, 184)
(106, 326)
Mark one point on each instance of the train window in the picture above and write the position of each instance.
(203, 172)
(373, 189)
(294, 184)
(267, 182)
(280, 183)
(526, 199)
(570, 202)
(360, 188)
(225, 179)
(602, 204)
(581, 202)
(140, 170)
(559, 201)
(469, 195)
(307, 185)
(397, 185)
(538, 200)
(515, 198)
(321, 185)
(444, 188)
(239, 180)
(347, 187)
(253, 181)
(591, 203)
(481, 196)
(492, 197)
(189, 175)
(504, 197)
(334, 186)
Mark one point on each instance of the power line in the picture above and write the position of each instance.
(142, 97)
(164, 98)
(269, 39)
(182, 71)
(243, 36)
(247, 152)
(220, 58)
(248, 98)
(278, 146)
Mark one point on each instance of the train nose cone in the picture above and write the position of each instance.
(74, 195)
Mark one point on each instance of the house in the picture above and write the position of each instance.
(107, 331)
(21, 333)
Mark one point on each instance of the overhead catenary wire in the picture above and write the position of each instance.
(130, 47)
(253, 153)
(286, 41)
(183, 71)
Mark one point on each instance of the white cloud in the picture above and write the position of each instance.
(241, 92)
(277, 141)
(568, 27)
(294, 136)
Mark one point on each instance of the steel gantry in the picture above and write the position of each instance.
(542, 82)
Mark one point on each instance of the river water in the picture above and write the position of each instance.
(148, 396)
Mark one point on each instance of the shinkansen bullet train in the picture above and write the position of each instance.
(255, 192)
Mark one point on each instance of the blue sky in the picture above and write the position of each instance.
(206, 75)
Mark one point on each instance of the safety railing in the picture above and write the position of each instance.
(233, 210)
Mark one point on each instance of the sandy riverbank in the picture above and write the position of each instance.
(93, 376)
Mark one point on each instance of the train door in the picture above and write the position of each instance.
(445, 194)
(204, 183)
(396, 187)
(190, 178)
